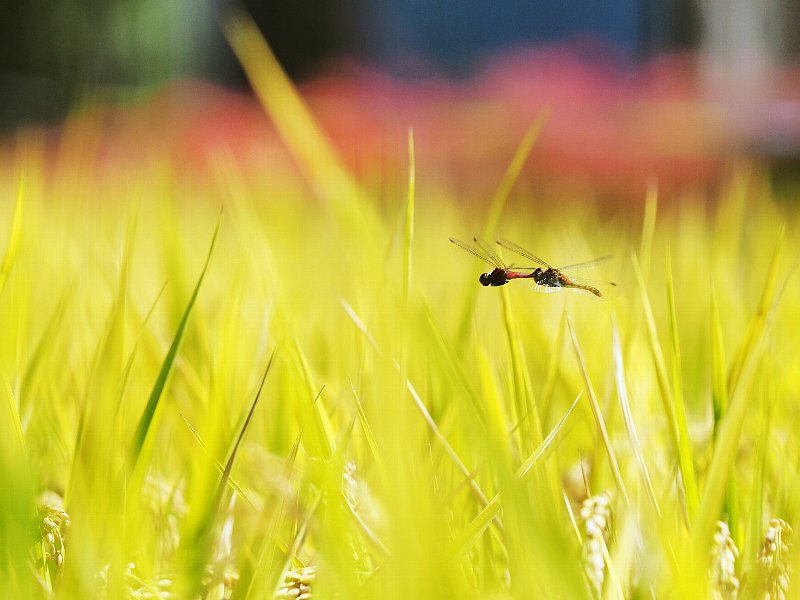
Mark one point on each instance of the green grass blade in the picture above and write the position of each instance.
(684, 444)
(220, 467)
(166, 367)
(719, 383)
(17, 508)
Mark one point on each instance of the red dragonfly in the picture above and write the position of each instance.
(546, 278)
(501, 274)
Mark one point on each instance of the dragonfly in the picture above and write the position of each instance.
(548, 278)
(501, 274)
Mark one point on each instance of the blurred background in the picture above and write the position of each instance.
(632, 88)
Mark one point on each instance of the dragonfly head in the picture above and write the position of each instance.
(485, 279)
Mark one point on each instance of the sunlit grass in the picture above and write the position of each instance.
(418, 435)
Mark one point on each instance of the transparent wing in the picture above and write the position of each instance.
(587, 264)
(487, 249)
(522, 252)
(490, 258)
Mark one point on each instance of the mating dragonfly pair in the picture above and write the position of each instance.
(546, 278)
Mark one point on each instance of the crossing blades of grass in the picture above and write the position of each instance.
(598, 416)
(470, 536)
(426, 415)
(197, 551)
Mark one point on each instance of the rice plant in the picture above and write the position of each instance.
(237, 386)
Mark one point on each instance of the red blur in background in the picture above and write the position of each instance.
(608, 126)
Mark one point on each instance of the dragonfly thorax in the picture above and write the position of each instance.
(547, 277)
(495, 278)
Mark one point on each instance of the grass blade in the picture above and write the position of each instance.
(17, 507)
(598, 416)
(299, 130)
(512, 173)
(409, 232)
(648, 226)
(757, 323)
(166, 367)
(658, 357)
(14, 237)
(727, 440)
(630, 426)
(719, 395)
(472, 533)
(684, 444)
(546, 447)
(220, 467)
(197, 550)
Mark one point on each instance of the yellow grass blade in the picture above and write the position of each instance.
(14, 237)
(409, 230)
(512, 173)
(300, 131)
(728, 438)
(630, 426)
(598, 416)
(757, 323)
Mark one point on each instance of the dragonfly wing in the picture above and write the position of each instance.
(587, 264)
(487, 249)
(479, 253)
(522, 252)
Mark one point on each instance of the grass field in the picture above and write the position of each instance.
(417, 435)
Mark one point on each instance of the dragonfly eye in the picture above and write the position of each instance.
(484, 279)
